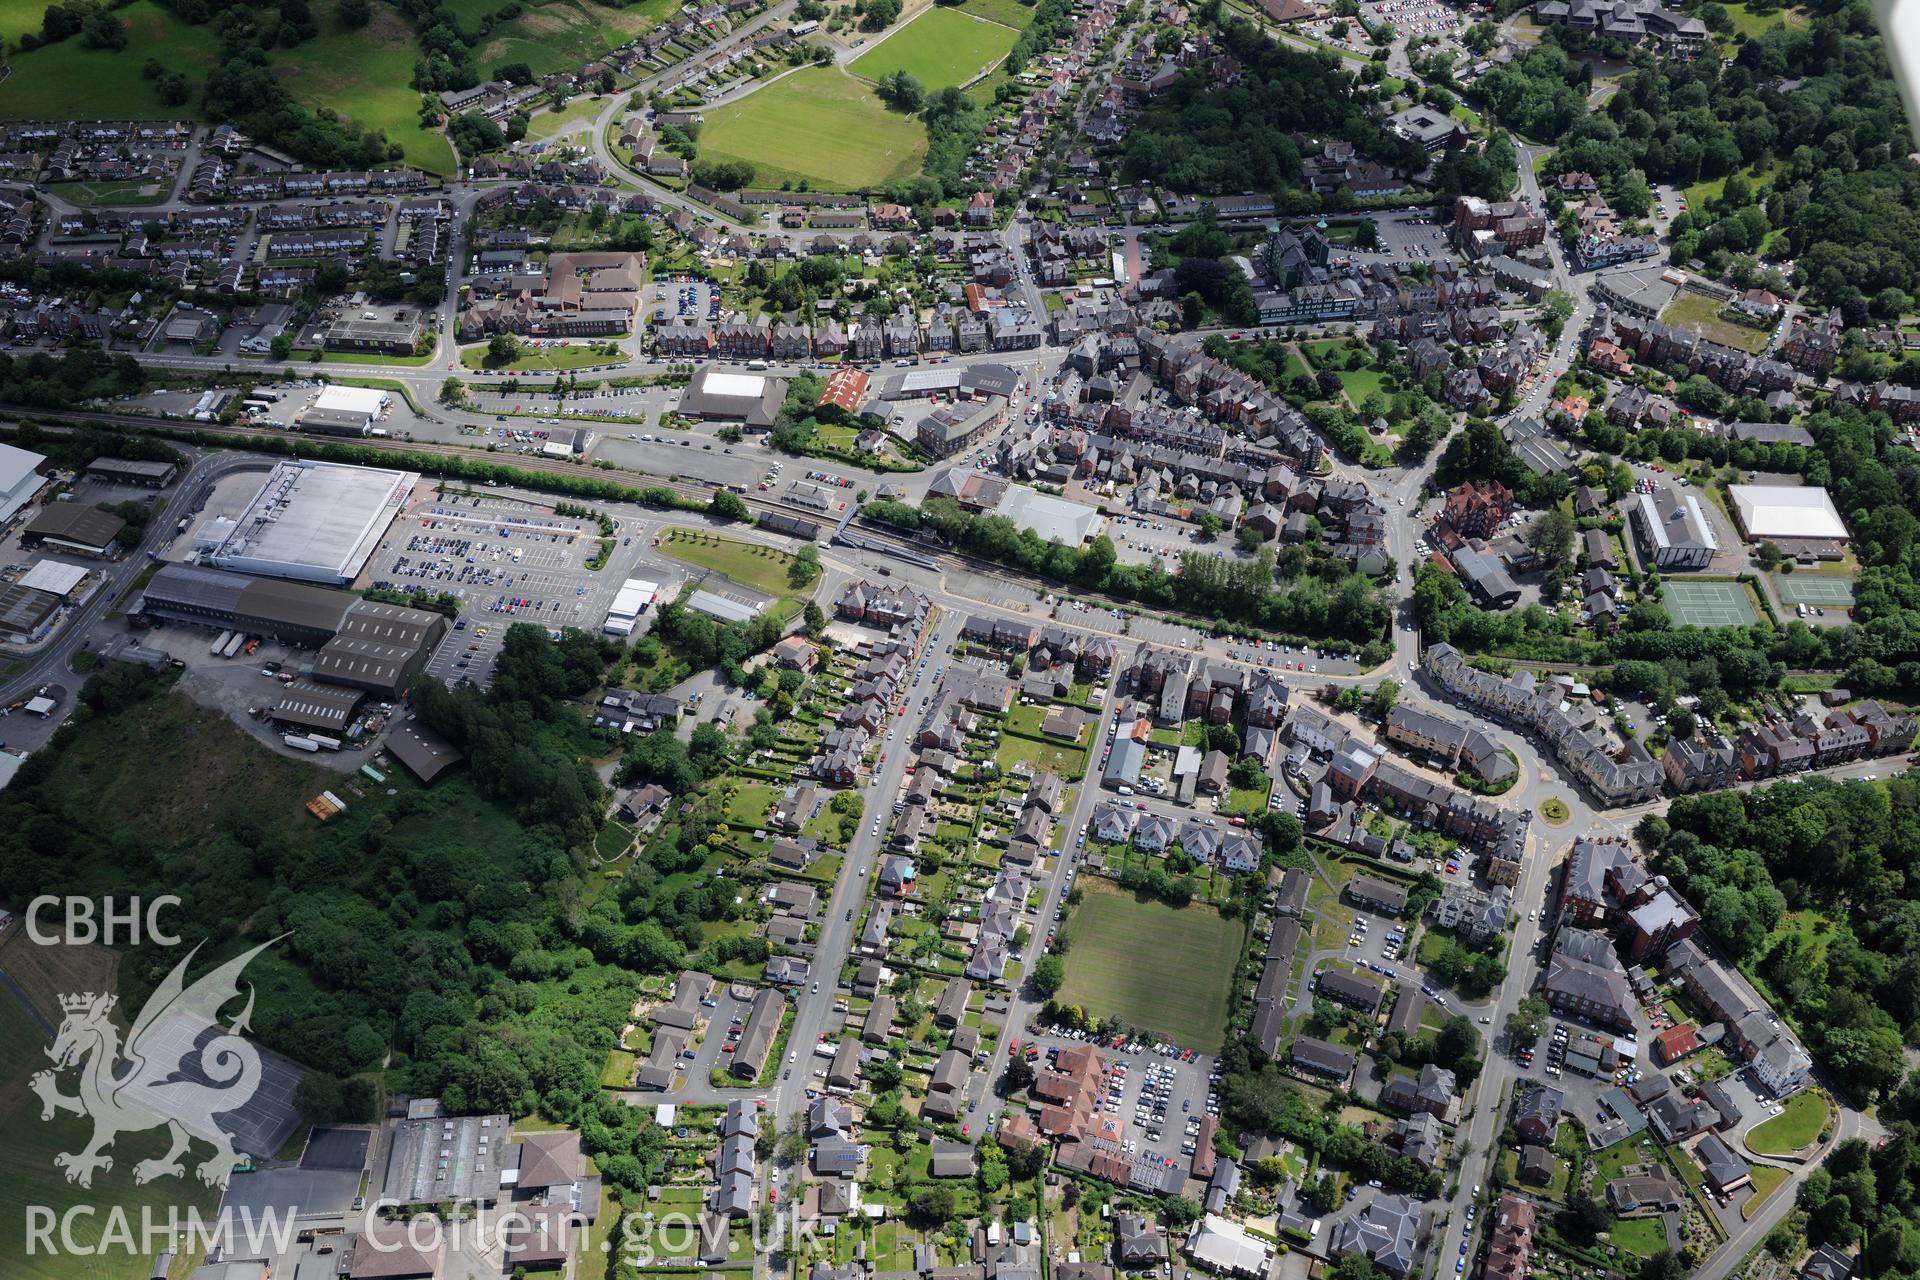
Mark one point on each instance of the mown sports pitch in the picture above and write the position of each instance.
(939, 48)
(1152, 966)
(818, 124)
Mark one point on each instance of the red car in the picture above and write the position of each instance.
(1013, 1050)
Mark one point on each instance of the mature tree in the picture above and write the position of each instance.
(1049, 974)
(1384, 695)
(1179, 1211)
(1551, 535)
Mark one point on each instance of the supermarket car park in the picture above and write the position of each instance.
(506, 561)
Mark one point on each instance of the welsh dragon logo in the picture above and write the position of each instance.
(170, 1073)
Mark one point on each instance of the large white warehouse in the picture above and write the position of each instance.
(20, 479)
(315, 521)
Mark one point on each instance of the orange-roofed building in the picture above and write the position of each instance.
(846, 389)
(1675, 1043)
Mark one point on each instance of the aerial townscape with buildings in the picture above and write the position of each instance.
(958, 640)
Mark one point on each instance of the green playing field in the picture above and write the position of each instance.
(818, 124)
(939, 48)
(1184, 989)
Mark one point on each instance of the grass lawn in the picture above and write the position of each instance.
(1068, 762)
(1746, 24)
(1325, 351)
(111, 194)
(541, 359)
(576, 115)
(64, 81)
(1184, 994)
(1012, 13)
(364, 76)
(1792, 1129)
(1295, 367)
(748, 808)
(1250, 800)
(18, 17)
(818, 124)
(28, 1176)
(1360, 383)
(941, 47)
(618, 1072)
(560, 35)
(1766, 1180)
(1642, 1237)
(756, 567)
(1700, 314)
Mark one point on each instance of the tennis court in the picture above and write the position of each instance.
(1814, 588)
(1709, 604)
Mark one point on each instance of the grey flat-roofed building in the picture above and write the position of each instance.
(398, 337)
(138, 471)
(315, 521)
(334, 422)
(440, 1159)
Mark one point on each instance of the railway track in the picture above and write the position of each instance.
(695, 490)
(142, 424)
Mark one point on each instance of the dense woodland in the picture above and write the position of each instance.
(1804, 125)
(1845, 853)
(448, 928)
(1208, 138)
